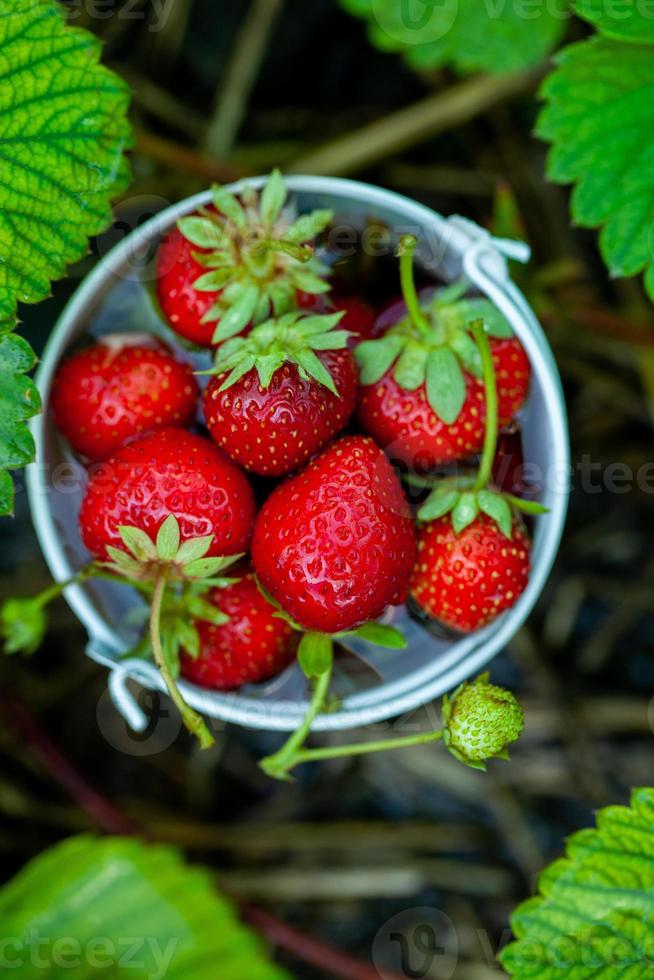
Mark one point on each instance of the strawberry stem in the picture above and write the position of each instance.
(51, 593)
(407, 247)
(279, 764)
(490, 386)
(365, 748)
(191, 718)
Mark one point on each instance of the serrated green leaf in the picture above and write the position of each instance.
(599, 117)
(188, 637)
(594, 913)
(470, 36)
(622, 20)
(19, 401)
(138, 542)
(202, 232)
(211, 282)
(315, 654)
(464, 512)
(113, 888)
(64, 132)
(439, 502)
(495, 507)
(374, 357)
(381, 636)
(273, 197)
(446, 385)
(168, 537)
(410, 371)
(122, 562)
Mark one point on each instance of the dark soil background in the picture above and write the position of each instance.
(352, 844)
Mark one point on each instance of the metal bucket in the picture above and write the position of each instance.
(113, 298)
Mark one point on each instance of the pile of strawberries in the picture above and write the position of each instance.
(294, 462)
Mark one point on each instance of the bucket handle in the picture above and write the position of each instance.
(119, 674)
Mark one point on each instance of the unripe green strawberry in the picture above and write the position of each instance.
(480, 722)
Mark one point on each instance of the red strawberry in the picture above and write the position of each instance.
(335, 544)
(118, 389)
(253, 645)
(359, 318)
(465, 580)
(237, 262)
(184, 306)
(168, 472)
(407, 424)
(298, 391)
(422, 394)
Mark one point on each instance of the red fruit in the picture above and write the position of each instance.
(274, 430)
(183, 305)
(118, 389)
(466, 580)
(404, 423)
(253, 646)
(251, 255)
(359, 318)
(168, 472)
(335, 544)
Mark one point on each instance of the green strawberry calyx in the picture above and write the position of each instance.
(256, 252)
(481, 720)
(432, 344)
(293, 338)
(466, 497)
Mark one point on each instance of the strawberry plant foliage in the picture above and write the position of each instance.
(620, 19)
(62, 137)
(594, 916)
(599, 117)
(465, 34)
(19, 400)
(87, 888)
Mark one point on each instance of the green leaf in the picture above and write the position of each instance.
(411, 368)
(375, 357)
(87, 888)
(495, 507)
(308, 226)
(313, 367)
(381, 636)
(23, 624)
(64, 132)
(273, 197)
(138, 542)
(600, 118)
(439, 502)
(464, 512)
(623, 20)
(468, 35)
(168, 538)
(315, 654)
(19, 400)
(594, 914)
(237, 317)
(194, 548)
(206, 567)
(228, 205)
(446, 386)
(202, 232)
(468, 353)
